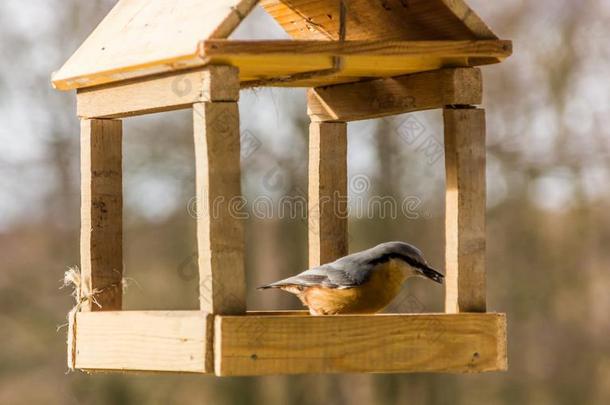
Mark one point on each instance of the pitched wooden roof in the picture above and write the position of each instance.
(384, 38)
(382, 19)
(143, 37)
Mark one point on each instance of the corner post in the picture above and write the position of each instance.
(327, 206)
(220, 231)
(465, 209)
(101, 239)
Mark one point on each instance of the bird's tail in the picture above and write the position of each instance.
(277, 284)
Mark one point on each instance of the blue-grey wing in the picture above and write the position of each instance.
(332, 275)
(355, 269)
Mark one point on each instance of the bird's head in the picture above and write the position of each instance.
(410, 257)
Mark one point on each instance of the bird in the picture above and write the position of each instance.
(360, 283)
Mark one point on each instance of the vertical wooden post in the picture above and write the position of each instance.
(220, 234)
(465, 210)
(327, 208)
(101, 242)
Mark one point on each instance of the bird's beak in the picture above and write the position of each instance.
(432, 274)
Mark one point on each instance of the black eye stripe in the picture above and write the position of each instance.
(389, 256)
(425, 269)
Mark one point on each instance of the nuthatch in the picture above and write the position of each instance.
(361, 283)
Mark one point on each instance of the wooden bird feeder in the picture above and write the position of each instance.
(360, 60)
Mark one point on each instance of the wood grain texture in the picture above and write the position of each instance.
(396, 95)
(469, 18)
(386, 20)
(159, 93)
(144, 37)
(220, 233)
(178, 341)
(215, 48)
(361, 59)
(327, 209)
(465, 277)
(274, 344)
(101, 239)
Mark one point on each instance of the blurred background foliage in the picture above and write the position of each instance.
(548, 214)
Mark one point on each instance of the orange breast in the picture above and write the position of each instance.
(374, 295)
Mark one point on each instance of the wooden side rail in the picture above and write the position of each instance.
(176, 341)
(263, 343)
(383, 343)
(158, 93)
(396, 95)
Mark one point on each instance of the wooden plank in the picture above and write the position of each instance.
(387, 20)
(272, 344)
(178, 341)
(469, 18)
(101, 237)
(366, 48)
(144, 37)
(361, 59)
(161, 93)
(220, 233)
(396, 95)
(465, 277)
(327, 210)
